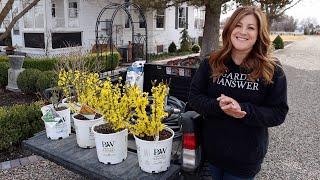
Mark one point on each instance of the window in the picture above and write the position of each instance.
(15, 29)
(199, 15)
(34, 40)
(160, 18)
(7, 41)
(62, 40)
(53, 10)
(73, 9)
(142, 24)
(34, 18)
(160, 49)
(182, 17)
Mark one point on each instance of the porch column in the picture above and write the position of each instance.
(66, 12)
(47, 25)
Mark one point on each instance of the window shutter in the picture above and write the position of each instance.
(177, 20)
(187, 10)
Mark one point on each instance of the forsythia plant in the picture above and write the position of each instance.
(150, 125)
(118, 104)
(64, 82)
(86, 86)
(112, 101)
(115, 103)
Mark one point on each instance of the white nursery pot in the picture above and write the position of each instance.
(59, 130)
(84, 134)
(75, 108)
(111, 148)
(154, 156)
(66, 115)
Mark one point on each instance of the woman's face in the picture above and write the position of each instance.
(245, 34)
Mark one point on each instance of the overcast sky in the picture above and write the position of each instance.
(304, 9)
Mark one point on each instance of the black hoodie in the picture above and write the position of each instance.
(237, 145)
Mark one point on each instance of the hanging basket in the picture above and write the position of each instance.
(111, 148)
(85, 137)
(154, 156)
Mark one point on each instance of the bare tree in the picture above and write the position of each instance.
(210, 42)
(308, 25)
(284, 23)
(273, 8)
(6, 10)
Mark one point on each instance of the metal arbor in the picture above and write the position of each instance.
(105, 31)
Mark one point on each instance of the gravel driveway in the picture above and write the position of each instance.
(294, 149)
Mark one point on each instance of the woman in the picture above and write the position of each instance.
(241, 91)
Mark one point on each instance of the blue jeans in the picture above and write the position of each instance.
(220, 174)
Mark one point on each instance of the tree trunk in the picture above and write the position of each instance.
(210, 42)
(16, 18)
(6, 9)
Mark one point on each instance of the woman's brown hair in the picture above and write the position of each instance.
(259, 61)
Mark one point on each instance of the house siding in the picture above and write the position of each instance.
(87, 17)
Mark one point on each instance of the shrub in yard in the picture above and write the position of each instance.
(185, 42)
(172, 48)
(18, 123)
(278, 43)
(27, 80)
(4, 66)
(45, 64)
(4, 59)
(109, 61)
(195, 48)
(112, 61)
(46, 80)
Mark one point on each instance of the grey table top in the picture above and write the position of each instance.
(66, 152)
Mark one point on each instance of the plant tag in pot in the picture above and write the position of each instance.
(87, 112)
(51, 117)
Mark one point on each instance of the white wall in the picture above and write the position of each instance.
(169, 33)
(88, 12)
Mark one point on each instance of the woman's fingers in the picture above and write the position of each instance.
(230, 106)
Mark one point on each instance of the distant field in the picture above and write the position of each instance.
(289, 37)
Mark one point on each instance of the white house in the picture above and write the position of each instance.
(51, 26)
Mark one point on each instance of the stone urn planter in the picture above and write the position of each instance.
(16, 61)
(9, 50)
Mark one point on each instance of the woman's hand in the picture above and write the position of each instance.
(230, 106)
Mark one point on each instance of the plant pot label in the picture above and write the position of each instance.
(111, 148)
(108, 147)
(56, 126)
(61, 128)
(91, 135)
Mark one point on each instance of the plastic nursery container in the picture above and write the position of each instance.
(65, 114)
(84, 134)
(154, 156)
(111, 148)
